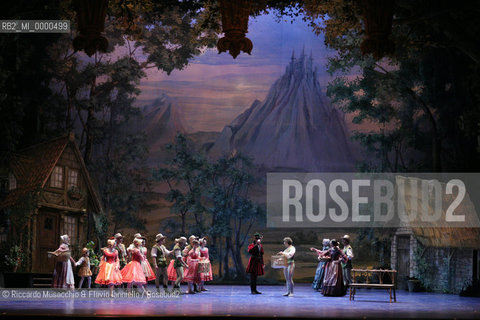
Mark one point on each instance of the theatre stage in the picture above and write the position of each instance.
(236, 301)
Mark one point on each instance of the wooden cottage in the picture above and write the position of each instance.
(65, 198)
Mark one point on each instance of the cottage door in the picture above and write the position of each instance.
(48, 239)
(403, 261)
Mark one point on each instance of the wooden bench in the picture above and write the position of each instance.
(390, 287)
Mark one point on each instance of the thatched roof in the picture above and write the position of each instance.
(467, 238)
(441, 233)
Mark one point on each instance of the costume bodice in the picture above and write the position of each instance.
(204, 253)
(110, 256)
(137, 255)
(335, 254)
(193, 254)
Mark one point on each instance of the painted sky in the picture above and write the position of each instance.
(215, 88)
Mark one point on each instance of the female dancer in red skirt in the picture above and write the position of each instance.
(109, 273)
(192, 276)
(204, 257)
(133, 273)
(147, 268)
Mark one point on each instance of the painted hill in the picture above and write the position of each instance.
(162, 119)
(294, 128)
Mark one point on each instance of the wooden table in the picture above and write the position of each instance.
(390, 287)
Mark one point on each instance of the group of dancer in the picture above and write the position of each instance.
(190, 263)
(333, 273)
(121, 266)
(195, 259)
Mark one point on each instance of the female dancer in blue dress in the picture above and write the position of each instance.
(319, 274)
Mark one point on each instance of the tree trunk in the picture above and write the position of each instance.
(220, 270)
(90, 119)
(226, 270)
(436, 142)
(237, 259)
(183, 222)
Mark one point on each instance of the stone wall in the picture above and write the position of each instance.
(447, 269)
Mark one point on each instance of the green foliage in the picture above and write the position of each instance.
(99, 95)
(233, 213)
(309, 237)
(375, 245)
(94, 260)
(14, 257)
(420, 104)
(94, 96)
(185, 178)
(214, 192)
(101, 225)
(424, 269)
(16, 220)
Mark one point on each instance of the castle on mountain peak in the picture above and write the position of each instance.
(302, 66)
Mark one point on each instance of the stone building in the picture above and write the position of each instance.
(444, 258)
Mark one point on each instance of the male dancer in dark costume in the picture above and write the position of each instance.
(255, 263)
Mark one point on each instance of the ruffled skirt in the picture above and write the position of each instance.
(171, 272)
(133, 273)
(147, 270)
(192, 275)
(109, 274)
(84, 272)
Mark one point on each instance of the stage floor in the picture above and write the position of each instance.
(236, 301)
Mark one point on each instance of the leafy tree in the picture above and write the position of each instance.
(233, 213)
(373, 97)
(215, 194)
(421, 97)
(99, 92)
(184, 176)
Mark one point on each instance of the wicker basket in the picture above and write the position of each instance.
(279, 261)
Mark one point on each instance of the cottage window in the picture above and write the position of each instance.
(56, 180)
(12, 182)
(70, 228)
(72, 178)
